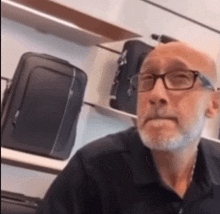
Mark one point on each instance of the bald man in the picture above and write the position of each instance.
(162, 166)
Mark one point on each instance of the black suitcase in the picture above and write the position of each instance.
(42, 105)
(14, 203)
(122, 97)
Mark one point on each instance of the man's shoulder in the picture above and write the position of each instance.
(211, 147)
(112, 143)
(211, 150)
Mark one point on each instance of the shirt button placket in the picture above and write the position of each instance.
(181, 211)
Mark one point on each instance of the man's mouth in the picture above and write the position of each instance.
(162, 118)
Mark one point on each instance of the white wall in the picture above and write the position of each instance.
(100, 65)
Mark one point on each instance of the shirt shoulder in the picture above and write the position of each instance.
(211, 147)
(110, 144)
(211, 150)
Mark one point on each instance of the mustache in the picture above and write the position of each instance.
(160, 114)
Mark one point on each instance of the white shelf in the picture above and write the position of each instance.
(31, 161)
(50, 17)
(50, 165)
(111, 112)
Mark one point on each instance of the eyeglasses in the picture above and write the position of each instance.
(174, 80)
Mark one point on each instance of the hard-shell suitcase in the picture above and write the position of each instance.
(14, 203)
(42, 106)
(122, 97)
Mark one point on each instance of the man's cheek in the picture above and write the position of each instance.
(189, 112)
(142, 107)
(189, 105)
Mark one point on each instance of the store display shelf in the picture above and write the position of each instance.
(31, 161)
(52, 18)
(111, 112)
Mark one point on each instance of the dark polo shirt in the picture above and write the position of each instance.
(116, 174)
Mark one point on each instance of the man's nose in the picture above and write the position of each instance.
(158, 95)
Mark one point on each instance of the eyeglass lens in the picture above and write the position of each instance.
(173, 80)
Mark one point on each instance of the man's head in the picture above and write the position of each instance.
(172, 112)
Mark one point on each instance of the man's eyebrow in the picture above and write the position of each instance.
(149, 65)
(177, 64)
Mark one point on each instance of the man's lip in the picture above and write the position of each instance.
(162, 118)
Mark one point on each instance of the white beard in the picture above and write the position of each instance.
(177, 142)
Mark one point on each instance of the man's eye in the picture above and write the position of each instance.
(181, 76)
(147, 78)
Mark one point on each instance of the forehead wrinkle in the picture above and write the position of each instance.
(161, 65)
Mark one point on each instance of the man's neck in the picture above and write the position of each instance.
(176, 168)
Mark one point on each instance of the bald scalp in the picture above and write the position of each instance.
(197, 60)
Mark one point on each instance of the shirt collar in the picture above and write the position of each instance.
(140, 160)
(144, 170)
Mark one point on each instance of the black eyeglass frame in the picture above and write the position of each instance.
(205, 81)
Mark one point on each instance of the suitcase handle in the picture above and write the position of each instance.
(62, 61)
(47, 56)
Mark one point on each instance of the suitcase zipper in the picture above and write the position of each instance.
(71, 92)
(16, 118)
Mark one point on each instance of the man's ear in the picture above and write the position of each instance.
(213, 107)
